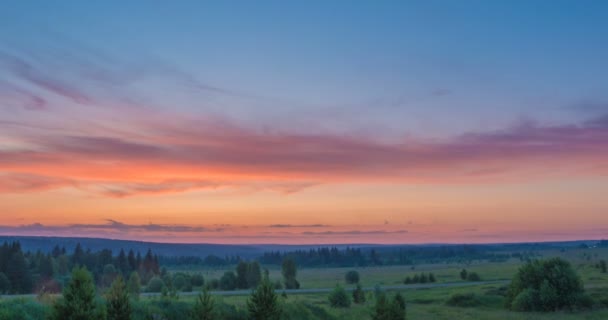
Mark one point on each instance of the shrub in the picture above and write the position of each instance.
(263, 303)
(181, 282)
(473, 276)
(352, 277)
(547, 285)
(338, 298)
(463, 300)
(155, 284)
(228, 281)
(359, 295)
(197, 280)
(463, 274)
(203, 307)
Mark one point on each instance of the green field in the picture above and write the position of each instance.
(431, 303)
(486, 300)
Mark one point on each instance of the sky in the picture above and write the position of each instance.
(305, 122)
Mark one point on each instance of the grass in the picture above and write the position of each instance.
(474, 302)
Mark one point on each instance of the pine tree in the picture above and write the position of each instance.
(263, 304)
(117, 301)
(78, 301)
(359, 295)
(203, 307)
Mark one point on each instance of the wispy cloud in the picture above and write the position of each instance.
(354, 232)
(169, 151)
(298, 226)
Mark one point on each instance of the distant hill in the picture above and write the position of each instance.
(46, 244)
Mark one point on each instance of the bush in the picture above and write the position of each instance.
(352, 277)
(359, 295)
(228, 281)
(155, 284)
(464, 300)
(181, 282)
(197, 280)
(547, 285)
(473, 276)
(338, 298)
(22, 309)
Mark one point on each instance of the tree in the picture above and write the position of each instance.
(263, 304)
(156, 284)
(134, 285)
(18, 273)
(289, 271)
(122, 263)
(358, 295)
(197, 280)
(338, 298)
(545, 285)
(203, 307)
(432, 277)
(473, 276)
(385, 310)
(381, 307)
(78, 300)
(254, 274)
(603, 266)
(463, 274)
(228, 281)
(117, 301)
(5, 284)
(352, 277)
(423, 278)
(241, 275)
(181, 282)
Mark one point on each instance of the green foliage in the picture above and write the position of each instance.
(155, 284)
(352, 277)
(463, 274)
(546, 285)
(603, 266)
(181, 282)
(5, 284)
(203, 307)
(254, 274)
(134, 285)
(263, 303)
(228, 281)
(18, 273)
(432, 277)
(358, 295)
(117, 301)
(289, 271)
(464, 300)
(338, 298)
(78, 301)
(473, 276)
(22, 309)
(197, 280)
(385, 310)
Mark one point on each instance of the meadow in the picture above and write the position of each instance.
(477, 300)
(431, 303)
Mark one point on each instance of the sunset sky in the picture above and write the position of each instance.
(305, 122)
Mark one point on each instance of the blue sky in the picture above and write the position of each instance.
(406, 65)
(489, 116)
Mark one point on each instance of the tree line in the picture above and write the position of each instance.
(26, 272)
